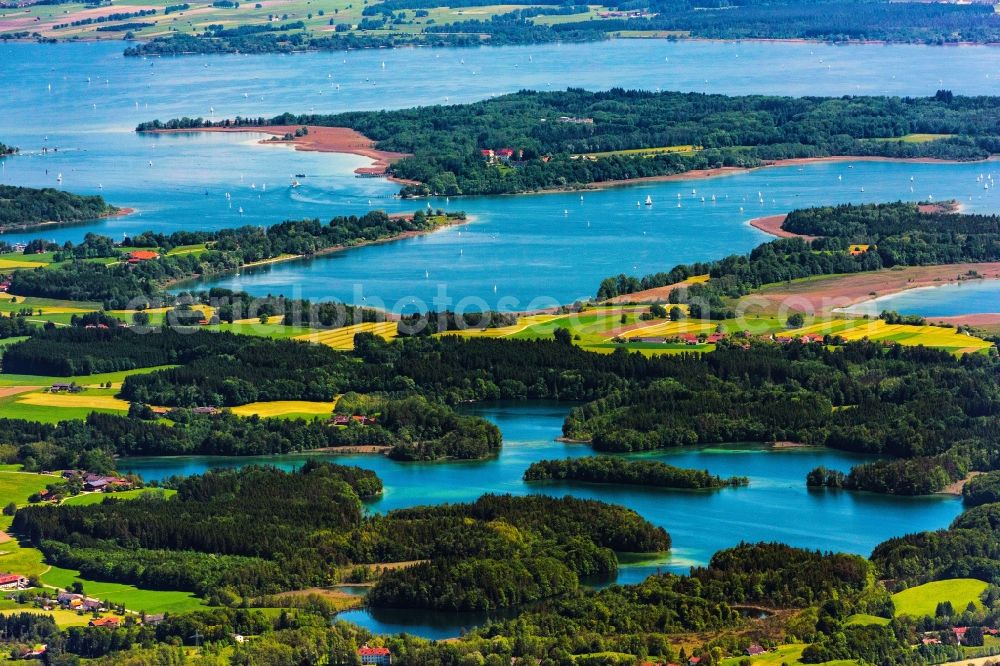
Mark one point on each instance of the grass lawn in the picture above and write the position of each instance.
(863, 619)
(343, 338)
(923, 599)
(25, 396)
(784, 654)
(86, 499)
(649, 152)
(917, 138)
(17, 486)
(288, 409)
(151, 601)
(62, 617)
(905, 334)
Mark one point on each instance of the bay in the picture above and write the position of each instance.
(776, 506)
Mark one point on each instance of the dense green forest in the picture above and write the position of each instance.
(124, 285)
(933, 414)
(608, 469)
(982, 489)
(498, 551)
(901, 234)
(26, 207)
(555, 135)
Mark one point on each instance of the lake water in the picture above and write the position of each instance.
(776, 506)
(960, 298)
(520, 252)
(85, 99)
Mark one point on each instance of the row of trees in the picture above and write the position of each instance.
(127, 285)
(608, 469)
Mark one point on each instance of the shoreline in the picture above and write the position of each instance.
(771, 224)
(320, 139)
(983, 318)
(325, 251)
(716, 172)
(346, 140)
(29, 228)
(610, 35)
(830, 295)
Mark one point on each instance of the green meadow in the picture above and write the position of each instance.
(923, 599)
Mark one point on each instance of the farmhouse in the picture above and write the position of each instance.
(11, 581)
(137, 256)
(504, 155)
(755, 650)
(110, 621)
(100, 482)
(377, 656)
(344, 419)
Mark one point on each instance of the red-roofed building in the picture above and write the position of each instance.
(377, 656)
(13, 581)
(755, 650)
(109, 621)
(136, 256)
(960, 633)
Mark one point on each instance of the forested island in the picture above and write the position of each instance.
(380, 25)
(26, 208)
(530, 141)
(608, 469)
(6, 150)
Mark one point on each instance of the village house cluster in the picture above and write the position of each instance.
(102, 482)
(958, 635)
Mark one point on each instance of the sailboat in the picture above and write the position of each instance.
(649, 200)
(296, 183)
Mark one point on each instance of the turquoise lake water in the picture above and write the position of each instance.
(975, 296)
(776, 506)
(532, 251)
(520, 252)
